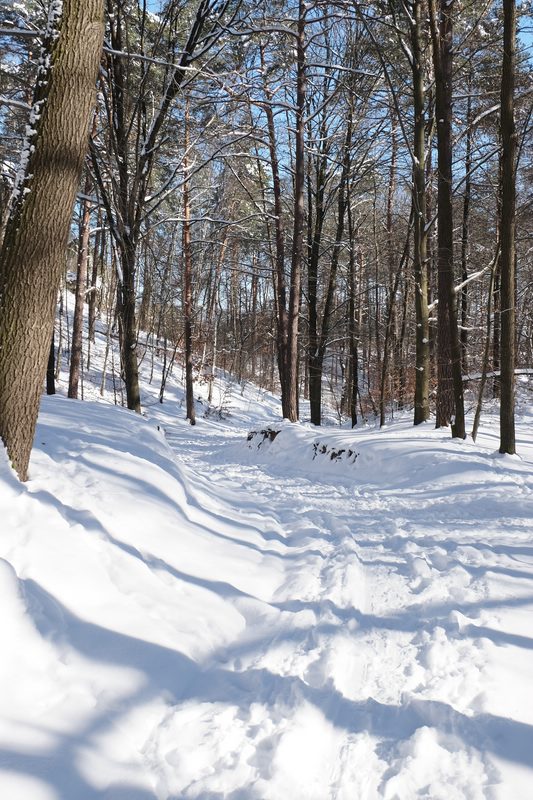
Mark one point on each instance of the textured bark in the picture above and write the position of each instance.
(420, 253)
(450, 403)
(76, 347)
(465, 235)
(126, 229)
(315, 358)
(127, 323)
(485, 363)
(187, 280)
(496, 335)
(299, 214)
(33, 251)
(282, 320)
(98, 258)
(145, 309)
(389, 318)
(319, 333)
(51, 368)
(391, 333)
(353, 322)
(507, 230)
(401, 344)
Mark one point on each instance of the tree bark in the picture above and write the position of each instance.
(450, 403)
(353, 322)
(94, 295)
(318, 334)
(299, 214)
(126, 296)
(187, 279)
(33, 251)
(51, 368)
(76, 346)
(315, 357)
(465, 234)
(507, 230)
(280, 289)
(420, 253)
(389, 316)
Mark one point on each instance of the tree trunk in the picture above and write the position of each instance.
(465, 235)
(507, 230)
(485, 363)
(33, 251)
(98, 258)
(391, 333)
(450, 404)
(496, 334)
(353, 326)
(298, 231)
(420, 254)
(187, 279)
(50, 369)
(389, 316)
(401, 346)
(318, 338)
(280, 289)
(145, 310)
(76, 346)
(316, 357)
(126, 296)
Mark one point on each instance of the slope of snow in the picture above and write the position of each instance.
(186, 615)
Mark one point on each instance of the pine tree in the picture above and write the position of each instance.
(33, 250)
(507, 230)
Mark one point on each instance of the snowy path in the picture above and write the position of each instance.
(217, 622)
(375, 678)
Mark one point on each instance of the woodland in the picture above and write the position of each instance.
(266, 400)
(332, 199)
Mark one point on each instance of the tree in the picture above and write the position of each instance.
(35, 240)
(299, 217)
(321, 197)
(187, 277)
(450, 403)
(420, 266)
(507, 230)
(125, 163)
(81, 288)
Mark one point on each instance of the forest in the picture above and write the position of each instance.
(330, 198)
(266, 400)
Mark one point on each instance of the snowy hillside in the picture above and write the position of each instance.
(331, 615)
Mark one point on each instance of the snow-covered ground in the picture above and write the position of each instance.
(331, 615)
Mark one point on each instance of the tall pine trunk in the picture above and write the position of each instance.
(126, 296)
(299, 214)
(76, 347)
(450, 403)
(465, 234)
(32, 257)
(282, 319)
(507, 231)
(420, 253)
(316, 357)
(187, 278)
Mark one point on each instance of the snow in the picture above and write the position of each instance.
(333, 615)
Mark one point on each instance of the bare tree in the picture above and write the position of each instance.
(125, 171)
